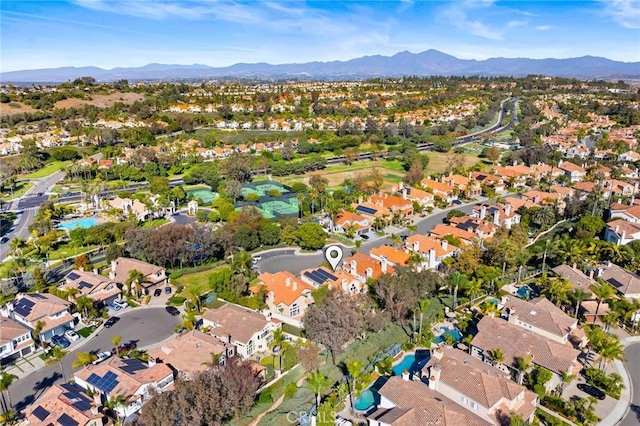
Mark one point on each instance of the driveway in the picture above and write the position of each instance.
(146, 326)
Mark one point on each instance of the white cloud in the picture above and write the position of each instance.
(625, 12)
(460, 14)
(544, 27)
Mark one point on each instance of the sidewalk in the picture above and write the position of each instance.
(622, 406)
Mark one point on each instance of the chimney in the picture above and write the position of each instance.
(287, 282)
(95, 409)
(622, 237)
(507, 209)
(437, 353)
(96, 397)
(81, 268)
(513, 316)
(445, 245)
(152, 361)
(383, 262)
(434, 376)
(95, 271)
(295, 285)
(483, 211)
(416, 245)
(591, 271)
(617, 229)
(405, 375)
(496, 217)
(432, 259)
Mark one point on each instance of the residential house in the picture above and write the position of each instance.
(193, 352)
(101, 290)
(500, 214)
(286, 295)
(15, 340)
(542, 199)
(338, 279)
(485, 390)
(390, 255)
(629, 156)
(516, 342)
(487, 179)
(423, 198)
(576, 277)
(405, 402)
(376, 212)
(129, 206)
(350, 222)
(131, 378)
(65, 405)
(439, 189)
(396, 205)
(482, 228)
(543, 318)
(430, 249)
(465, 185)
(365, 267)
(512, 177)
(154, 276)
(573, 172)
(248, 330)
(32, 308)
(625, 282)
(621, 232)
(440, 231)
(630, 213)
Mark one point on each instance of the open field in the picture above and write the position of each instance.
(101, 101)
(15, 108)
(46, 170)
(198, 281)
(439, 161)
(390, 170)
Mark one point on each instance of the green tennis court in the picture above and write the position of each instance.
(206, 195)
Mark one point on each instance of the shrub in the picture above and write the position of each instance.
(264, 397)
(175, 275)
(176, 300)
(290, 390)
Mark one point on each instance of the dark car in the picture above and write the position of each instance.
(167, 290)
(364, 236)
(111, 321)
(458, 202)
(157, 292)
(593, 391)
(173, 311)
(125, 348)
(60, 341)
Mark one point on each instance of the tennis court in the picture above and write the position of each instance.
(281, 208)
(262, 188)
(206, 195)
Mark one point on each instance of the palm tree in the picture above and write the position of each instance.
(544, 216)
(83, 304)
(242, 262)
(474, 288)
(497, 356)
(557, 291)
(114, 403)
(412, 229)
(523, 364)
(456, 280)
(194, 296)
(134, 282)
(6, 379)
(423, 306)
(579, 296)
(317, 382)
(613, 351)
(57, 354)
(602, 292)
(395, 240)
(83, 358)
(521, 259)
(215, 360)
(115, 341)
(609, 319)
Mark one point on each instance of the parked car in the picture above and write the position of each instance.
(71, 335)
(364, 236)
(125, 348)
(458, 202)
(101, 357)
(120, 303)
(157, 292)
(60, 341)
(111, 321)
(114, 307)
(173, 311)
(591, 390)
(167, 290)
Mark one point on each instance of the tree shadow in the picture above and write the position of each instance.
(46, 383)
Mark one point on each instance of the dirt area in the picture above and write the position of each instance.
(15, 108)
(439, 162)
(336, 177)
(101, 101)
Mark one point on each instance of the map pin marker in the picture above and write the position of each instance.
(333, 254)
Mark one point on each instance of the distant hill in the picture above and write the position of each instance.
(430, 62)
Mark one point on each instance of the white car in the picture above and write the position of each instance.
(71, 335)
(101, 357)
(120, 303)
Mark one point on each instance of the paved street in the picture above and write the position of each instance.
(632, 364)
(296, 263)
(146, 326)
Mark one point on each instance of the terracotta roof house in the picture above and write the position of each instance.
(541, 317)
(572, 171)
(500, 214)
(441, 230)
(249, 331)
(129, 206)
(483, 229)
(338, 279)
(15, 340)
(347, 220)
(466, 185)
(515, 342)
(576, 277)
(432, 250)
(364, 267)
(485, 390)
(154, 276)
(487, 179)
(30, 308)
(621, 232)
(622, 211)
(372, 210)
(192, 352)
(394, 204)
(131, 378)
(287, 296)
(64, 404)
(625, 282)
(423, 198)
(405, 402)
(391, 255)
(101, 290)
(439, 189)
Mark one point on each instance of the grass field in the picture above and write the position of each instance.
(439, 161)
(19, 190)
(46, 170)
(198, 281)
(391, 171)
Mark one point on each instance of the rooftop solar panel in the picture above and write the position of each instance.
(23, 307)
(84, 284)
(40, 413)
(310, 275)
(73, 276)
(326, 275)
(38, 296)
(133, 365)
(66, 420)
(366, 209)
(316, 278)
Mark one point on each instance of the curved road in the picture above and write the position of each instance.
(146, 326)
(632, 365)
(296, 263)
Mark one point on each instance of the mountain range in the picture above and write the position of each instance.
(428, 63)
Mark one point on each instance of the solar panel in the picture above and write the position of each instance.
(408, 191)
(106, 383)
(316, 278)
(326, 275)
(38, 296)
(73, 276)
(366, 209)
(65, 420)
(23, 307)
(133, 365)
(40, 413)
(310, 275)
(77, 397)
(84, 284)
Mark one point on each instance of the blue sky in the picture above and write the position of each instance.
(112, 33)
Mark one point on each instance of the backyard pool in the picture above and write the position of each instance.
(524, 292)
(450, 332)
(367, 399)
(85, 222)
(412, 363)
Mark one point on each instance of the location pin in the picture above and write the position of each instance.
(334, 255)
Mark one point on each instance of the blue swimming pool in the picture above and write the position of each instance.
(452, 332)
(367, 399)
(411, 363)
(524, 292)
(85, 222)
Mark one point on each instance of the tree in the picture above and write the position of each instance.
(57, 354)
(83, 358)
(493, 154)
(317, 383)
(311, 236)
(557, 290)
(114, 404)
(602, 291)
(578, 296)
(588, 227)
(523, 364)
(35, 334)
(497, 356)
(6, 380)
(82, 263)
(309, 355)
(114, 251)
(415, 174)
(115, 341)
(134, 283)
(333, 322)
(543, 216)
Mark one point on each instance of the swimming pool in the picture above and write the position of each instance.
(411, 363)
(524, 292)
(367, 399)
(85, 222)
(454, 333)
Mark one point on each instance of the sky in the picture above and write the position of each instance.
(115, 33)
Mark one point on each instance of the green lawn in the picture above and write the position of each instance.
(198, 281)
(439, 161)
(46, 170)
(155, 223)
(65, 250)
(19, 190)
